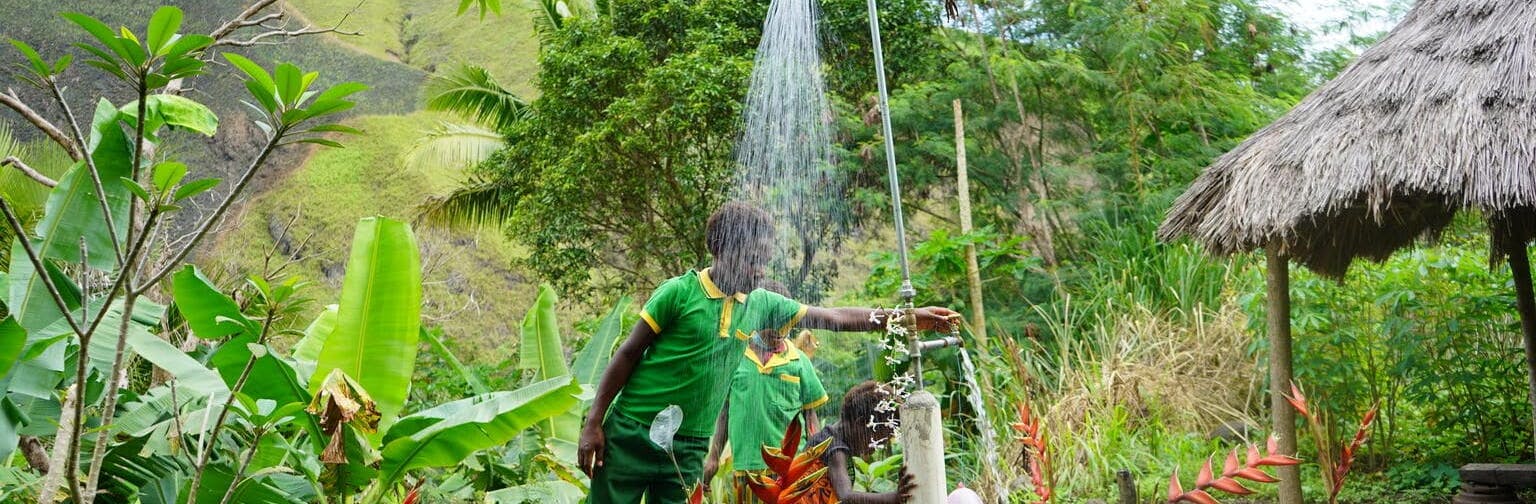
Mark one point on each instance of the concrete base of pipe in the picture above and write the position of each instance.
(922, 439)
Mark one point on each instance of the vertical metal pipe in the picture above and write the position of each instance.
(907, 292)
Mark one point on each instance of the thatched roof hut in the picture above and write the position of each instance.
(1437, 117)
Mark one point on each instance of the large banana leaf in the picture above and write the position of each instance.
(307, 351)
(270, 377)
(13, 339)
(28, 298)
(193, 379)
(378, 321)
(209, 313)
(73, 211)
(447, 434)
(436, 341)
(594, 357)
(543, 353)
(11, 422)
(539, 492)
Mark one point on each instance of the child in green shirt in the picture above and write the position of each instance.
(684, 351)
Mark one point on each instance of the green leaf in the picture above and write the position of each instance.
(175, 111)
(136, 189)
(102, 33)
(434, 337)
(73, 211)
(324, 128)
(307, 350)
(11, 422)
(192, 377)
(340, 91)
(290, 83)
(209, 313)
(268, 102)
(594, 357)
(446, 435)
(379, 318)
(29, 301)
(33, 59)
(261, 84)
(162, 26)
(168, 174)
(186, 44)
(12, 340)
(194, 188)
(270, 377)
(543, 354)
(322, 141)
(62, 63)
(544, 492)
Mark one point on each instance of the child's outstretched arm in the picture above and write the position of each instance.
(929, 318)
(838, 471)
(590, 448)
(717, 443)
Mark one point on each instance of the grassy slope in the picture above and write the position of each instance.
(427, 34)
(470, 290)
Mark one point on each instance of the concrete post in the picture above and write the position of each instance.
(922, 438)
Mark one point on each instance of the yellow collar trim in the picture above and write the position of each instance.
(789, 354)
(713, 291)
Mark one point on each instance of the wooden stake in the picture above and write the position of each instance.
(1525, 303)
(1278, 278)
(972, 270)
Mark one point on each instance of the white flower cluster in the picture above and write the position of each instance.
(899, 388)
(893, 344)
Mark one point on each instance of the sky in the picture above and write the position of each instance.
(1319, 15)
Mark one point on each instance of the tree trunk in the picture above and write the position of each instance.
(972, 269)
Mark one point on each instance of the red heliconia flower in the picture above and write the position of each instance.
(1175, 490)
(1298, 401)
(698, 494)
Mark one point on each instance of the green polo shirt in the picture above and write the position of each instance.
(765, 397)
(698, 346)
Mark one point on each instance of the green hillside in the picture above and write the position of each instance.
(469, 289)
(427, 33)
(472, 291)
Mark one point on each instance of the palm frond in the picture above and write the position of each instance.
(471, 92)
(454, 145)
(477, 203)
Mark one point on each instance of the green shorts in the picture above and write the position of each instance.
(633, 466)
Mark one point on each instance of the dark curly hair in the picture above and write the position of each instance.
(860, 409)
(736, 223)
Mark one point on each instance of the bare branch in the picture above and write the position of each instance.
(260, 38)
(223, 36)
(28, 171)
(11, 100)
(244, 19)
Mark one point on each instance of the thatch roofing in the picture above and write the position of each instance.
(1437, 117)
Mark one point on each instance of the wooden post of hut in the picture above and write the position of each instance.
(1278, 279)
(1525, 304)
